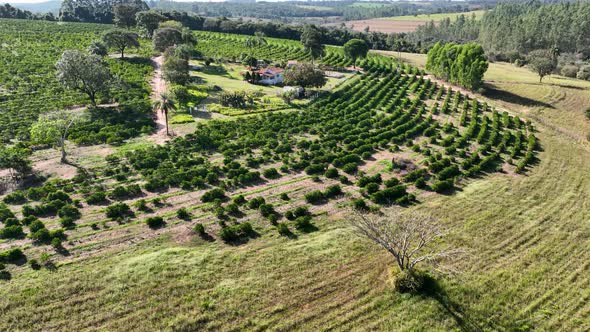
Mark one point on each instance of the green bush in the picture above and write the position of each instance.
(17, 197)
(70, 212)
(331, 173)
(183, 213)
(256, 202)
(97, 198)
(199, 229)
(285, 197)
(213, 194)
(315, 197)
(155, 222)
(283, 229)
(118, 211)
(271, 173)
(12, 232)
(441, 186)
(11, 256)
(303, 223)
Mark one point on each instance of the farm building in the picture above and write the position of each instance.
(271, 75)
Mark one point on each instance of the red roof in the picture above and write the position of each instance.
(270, 71)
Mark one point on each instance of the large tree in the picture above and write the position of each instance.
(120, 39)
(149, 21)
(409, 237)
(53, 127)
(305, 75)
(311, 38)
(356, 49)
(166, 37)
(86, 73)
(542, 62)
(165, 104)
(175, 68)
(125, 15)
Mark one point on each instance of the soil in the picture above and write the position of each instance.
(158, 87)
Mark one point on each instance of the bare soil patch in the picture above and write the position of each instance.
(381, 25)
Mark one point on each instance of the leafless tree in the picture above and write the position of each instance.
(407, 236)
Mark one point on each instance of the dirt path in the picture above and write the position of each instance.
(158, 87)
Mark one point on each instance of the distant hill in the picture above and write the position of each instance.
(40, 7)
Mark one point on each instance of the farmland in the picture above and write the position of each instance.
(253, 232)
(28, 84)
(409, 23)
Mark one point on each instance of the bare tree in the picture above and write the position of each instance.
(408, 237)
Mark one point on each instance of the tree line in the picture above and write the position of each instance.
(464, 65)
(517, 26)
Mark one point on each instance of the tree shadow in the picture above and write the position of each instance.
(467, 320)
(502, 95)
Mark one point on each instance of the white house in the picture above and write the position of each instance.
(271, 75)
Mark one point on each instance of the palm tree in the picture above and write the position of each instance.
(165, 104)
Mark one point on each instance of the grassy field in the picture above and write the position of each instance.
(435, 17)
(408, 23)
(526, 269)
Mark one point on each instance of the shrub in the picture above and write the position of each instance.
(315, 197)
(584, 73)
(67, 222)
(17, 197)
(235, 232)
(359, 204)
(283, 229)
(303, 223)
(36, 225)
(69, 212)
(97, 198)
(233, 209)
(388, 195)
(271, 173)
(199, 229)
(11, 256)
(266, 209)
(5, 213)
(118, 211)
(182, 213)
(441, 186)
(239, 200)
(11, 222)
(285, 197)
(333, 191)
(331, 173)
(372, 187)
(569, 71)
(12, 232)
(350, 168)
(34, 264)
(408, 282)
(391, 182)
(420, 183)
(141, 205)
(213, 194)
(314, 169)
(155, 222)
(155, 185)
(42, 235)
(255, 203)
(58, 195)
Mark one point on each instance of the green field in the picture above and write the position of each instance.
(436, 17)
(526, 234)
